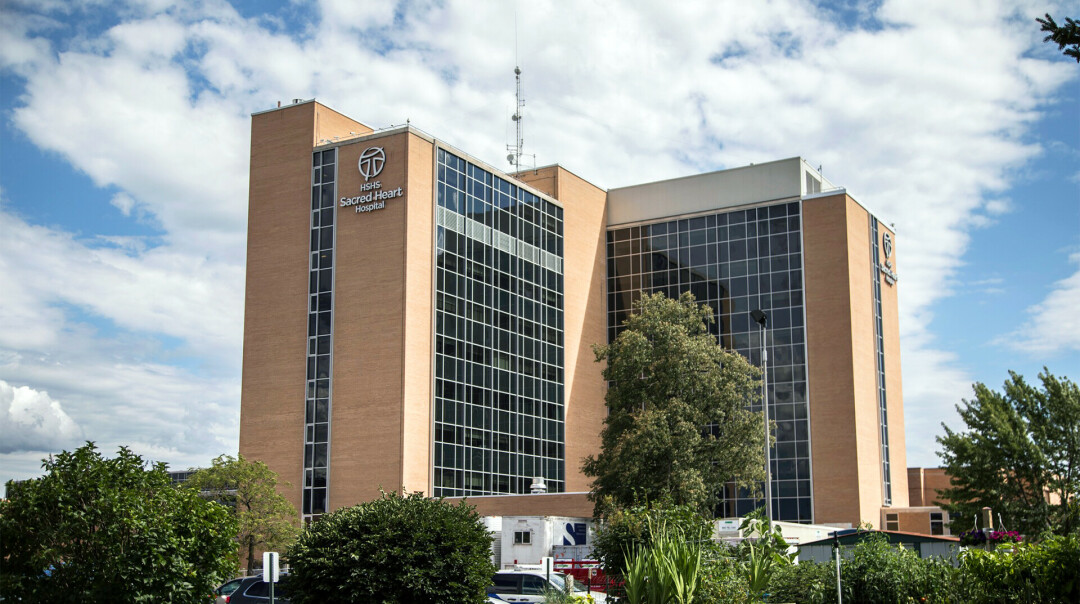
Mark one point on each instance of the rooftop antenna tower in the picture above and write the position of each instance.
(514, 157)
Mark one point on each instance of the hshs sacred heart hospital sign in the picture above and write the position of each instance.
(372, 195)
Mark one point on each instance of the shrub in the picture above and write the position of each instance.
(875, 572)
(1044, 572)
(762, 554)
(628, 530)
(882, 573)
(722, 580)
(398, 548)
(807, 582)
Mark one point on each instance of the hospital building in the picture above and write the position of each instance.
(419, 319)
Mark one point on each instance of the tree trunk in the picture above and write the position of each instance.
(251, 554)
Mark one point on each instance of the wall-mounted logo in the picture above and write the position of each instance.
(886, 249)
(372, 195)
(371, 162)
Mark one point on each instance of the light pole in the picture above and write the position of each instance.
(762, 320)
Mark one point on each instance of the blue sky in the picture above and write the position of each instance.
(123, 170)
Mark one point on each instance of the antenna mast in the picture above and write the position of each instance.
(514, 156)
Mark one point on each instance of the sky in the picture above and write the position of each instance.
(124, 141)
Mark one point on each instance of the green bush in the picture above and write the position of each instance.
(762, 553)
(722, 580)
(396, 549)
(628, 530)
(804, 582)
(111, 530)
(1044, 572)
(879, 572)
(875, 572)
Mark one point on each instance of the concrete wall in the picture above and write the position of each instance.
(770, 181)
(548, 504)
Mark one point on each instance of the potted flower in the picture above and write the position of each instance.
(974, 538)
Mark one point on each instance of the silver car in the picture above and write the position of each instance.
(530, 586)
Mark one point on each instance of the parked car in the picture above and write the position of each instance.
(530, 585)
(252, 590)
(221, 594)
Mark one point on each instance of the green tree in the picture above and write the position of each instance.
(1019, 454)
(398, 548)
(265, 519)
(678, 425)
(111, 530)
(1065, 35)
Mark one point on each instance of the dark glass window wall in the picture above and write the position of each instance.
(319, 341)
(499, 417)
(735, 261)
(879, 349)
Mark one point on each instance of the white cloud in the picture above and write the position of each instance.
(32, 421)
(123, 202)
(996, 207)
(357, 15)
(158, 291)
(1054, 324)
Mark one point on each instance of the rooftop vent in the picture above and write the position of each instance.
(538, 486)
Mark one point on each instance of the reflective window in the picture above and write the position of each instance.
(319, 344)
(499, 335)
(734, 261)
(937, 523)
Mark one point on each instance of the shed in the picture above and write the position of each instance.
(927, 546)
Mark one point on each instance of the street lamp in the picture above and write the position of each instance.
(762, 320)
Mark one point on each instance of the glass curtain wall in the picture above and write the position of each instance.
(734, 261)
(499, 416)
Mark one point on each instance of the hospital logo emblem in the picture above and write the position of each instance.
(886, 244)
(371, 162)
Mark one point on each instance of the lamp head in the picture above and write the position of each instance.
(759, 317)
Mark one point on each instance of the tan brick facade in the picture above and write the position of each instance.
(841, 359)
(924, 484)
(275, 325)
